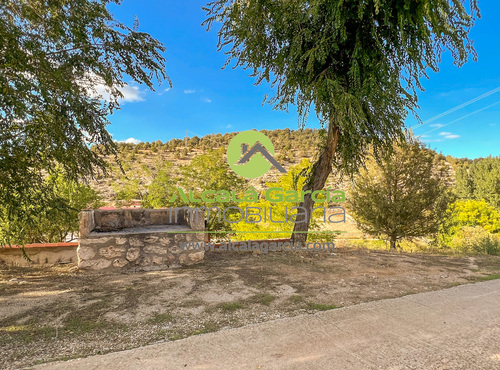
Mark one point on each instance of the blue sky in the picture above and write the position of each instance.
(206, 99)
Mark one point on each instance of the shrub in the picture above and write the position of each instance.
(468, 213)
(475, 239)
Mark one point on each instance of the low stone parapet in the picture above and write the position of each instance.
(39, 253)
(138, 239)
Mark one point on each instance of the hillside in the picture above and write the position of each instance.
(141, 162)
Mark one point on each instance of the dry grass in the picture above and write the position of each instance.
(58, 313)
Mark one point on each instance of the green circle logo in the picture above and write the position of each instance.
(251, 154)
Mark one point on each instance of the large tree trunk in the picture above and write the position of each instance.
(320, 171)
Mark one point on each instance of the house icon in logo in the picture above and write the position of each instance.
(258, 148)
(251, 154)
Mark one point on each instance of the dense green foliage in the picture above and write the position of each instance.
(53, 221)
(56, 57)
(472, 223)
(403, 196)
(301, 141)
(474, 239)
(480, 180)
(472, 213)
(208, 171)
(161, 189)
(357, 62)
(292, 180)
(471, 226)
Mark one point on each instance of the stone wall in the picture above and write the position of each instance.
(138, 239)
(42, 254)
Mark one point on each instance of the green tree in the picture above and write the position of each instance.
(55, 57)
(401, 196)
(208, 171)
(357, 62)
(480, 180)
(53, 221)
(292, 180)
(193, 142)
(161, 188)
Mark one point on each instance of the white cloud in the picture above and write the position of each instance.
(131, 140)
(131, 94)
(229, 126)
(188, 91)
(449, 135)
(164, 91)
(96, 88)
(437, 125)
(206, 100)
(493, 124)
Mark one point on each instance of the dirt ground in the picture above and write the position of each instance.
(56, 313)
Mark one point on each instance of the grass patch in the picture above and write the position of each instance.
(296, 299)
(231, 306)
(175, 337)
(161, 318)
(25, 334)
(369, 244)
(490, 277)
(262, 298)
(79, 325)
(208, 327)
(320, 306)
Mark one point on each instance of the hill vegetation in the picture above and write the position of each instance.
(148, 174)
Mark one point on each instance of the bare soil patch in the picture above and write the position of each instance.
(56, 313)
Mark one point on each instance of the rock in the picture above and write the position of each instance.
(120, 262)
(101, 240)
(112, 252)
(135, 242)
(120, 241)
(163, 260)
(191, 258)
(151, 239)
(179, 237)
(85, 253)
(111, 221)
(157, 260)
(165, 241)
(102, 264)
(87, 223)
(175, 249)
(144, 261)
(155, 249)
(95, 264)
(133, 254)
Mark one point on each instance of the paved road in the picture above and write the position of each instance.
(457, 328)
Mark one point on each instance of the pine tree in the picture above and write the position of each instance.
(401, 196)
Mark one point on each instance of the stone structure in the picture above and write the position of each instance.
(40, 253)
(139, 239)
